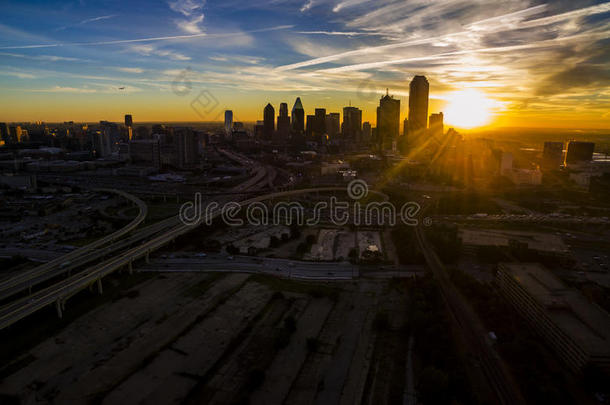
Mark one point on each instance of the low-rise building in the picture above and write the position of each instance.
(578, 330)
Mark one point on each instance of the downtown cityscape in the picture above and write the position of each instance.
(305, 202)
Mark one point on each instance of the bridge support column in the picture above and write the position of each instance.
(100, 290)
(58, 308)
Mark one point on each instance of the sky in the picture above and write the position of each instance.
(489, 62)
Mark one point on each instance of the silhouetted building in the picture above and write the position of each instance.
(436, 125)
(298, 116)
(552, 155)
(269, 122)
(405, 127)
(388, 120)
(367, 132)
(283, 123)
(579, 152)
(146, 151)
(319, 129)
(418, 107)
(310, 124)
(101, 144)
(333, 125)
(187, 151)
(4, 134)
(228, 122)
(128, 120)
(259, 129)
(15, 134)
(352, 124)
(576, 329)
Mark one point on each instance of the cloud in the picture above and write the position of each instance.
(87, 21)
(49, 58)
(130, 69)
(149, 50)
(20, 75)
(191, 26)
(308, 4)
(149, 39)
(193, 15)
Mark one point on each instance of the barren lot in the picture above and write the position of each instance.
(197, 338)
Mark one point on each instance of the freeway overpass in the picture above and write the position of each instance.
(60, 292)
(64, 263)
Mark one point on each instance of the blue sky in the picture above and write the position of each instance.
(85, 60)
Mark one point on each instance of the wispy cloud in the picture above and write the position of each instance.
(130, 69)
(192, 15)
(149, 39)
(148, 50)
(87, 21)
(20, 75)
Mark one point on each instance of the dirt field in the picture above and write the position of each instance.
(196, 338)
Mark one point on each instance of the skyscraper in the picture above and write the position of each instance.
(283, 123)
(367, 132)
(418, 106)
(352, 123)
(128, 120)
(298, 116)
(319, 128)
(269, 121)
(333, 125)
(552, 155)
(228, 121)
(388, 120)
(579, 152)
(436, 125)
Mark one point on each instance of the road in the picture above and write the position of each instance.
(471, 327)
(262, 177)
(60, 265)
(257, 265)
(58, 293)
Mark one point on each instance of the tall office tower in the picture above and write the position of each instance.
(320, 124)
(269, 121)
(283, 123)
(228, 121)
(147, 151)
(4, 132)
(187, 151)
(388, 120)
(298, 116)
(579, 152)
(418, 106)
(333, 125)
(128, 120)
(552, 155)
(405, 127)
(310, 124)
(102, 143)
(352, 123)
(436, 125)
(367, 132)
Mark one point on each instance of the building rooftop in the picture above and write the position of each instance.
(580, 319)
(544, 242)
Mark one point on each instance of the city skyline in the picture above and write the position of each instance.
(522, 64)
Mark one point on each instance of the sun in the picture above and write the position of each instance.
(468, 109)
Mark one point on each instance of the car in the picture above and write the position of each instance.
(201, 255)
(230, 258)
